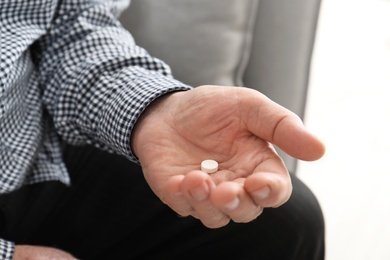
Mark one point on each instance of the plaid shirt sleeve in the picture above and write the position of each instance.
(96, 80)
(6, 249)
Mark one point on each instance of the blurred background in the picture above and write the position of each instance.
(349, 109)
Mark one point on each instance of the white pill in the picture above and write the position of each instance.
(209, 166)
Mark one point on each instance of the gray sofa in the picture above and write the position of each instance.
(262, 44)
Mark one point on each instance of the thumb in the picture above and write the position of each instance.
(291, 136)
(281, 127)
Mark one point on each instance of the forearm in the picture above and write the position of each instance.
(96, 80)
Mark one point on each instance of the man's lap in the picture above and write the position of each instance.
(109, 212)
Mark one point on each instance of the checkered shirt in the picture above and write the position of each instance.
(68, 72)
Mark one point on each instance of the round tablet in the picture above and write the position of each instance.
(209, 166)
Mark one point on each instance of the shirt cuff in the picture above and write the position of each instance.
(126, 105)
(7, 249)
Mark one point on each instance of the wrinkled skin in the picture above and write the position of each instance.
(235, 126)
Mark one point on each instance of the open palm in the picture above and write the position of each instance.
(234, 126)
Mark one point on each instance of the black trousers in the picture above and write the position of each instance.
(109, 212)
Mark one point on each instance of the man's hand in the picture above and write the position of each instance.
(236, 127)
(23, 252)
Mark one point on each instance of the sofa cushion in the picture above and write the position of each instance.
(204, 42)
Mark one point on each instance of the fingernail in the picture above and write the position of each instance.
(262, 194)
(200, 192)
(233, 204)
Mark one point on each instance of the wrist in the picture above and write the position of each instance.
(157, 112)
